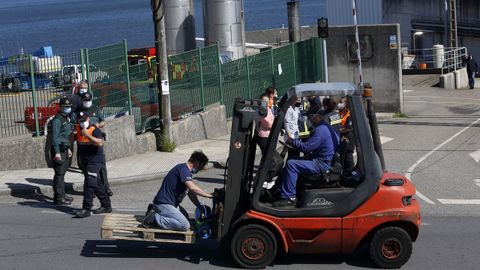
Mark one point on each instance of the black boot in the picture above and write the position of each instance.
(82, 213)
(102, 210)
(61, 201)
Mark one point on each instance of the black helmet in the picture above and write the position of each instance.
(65, 102)
(87, 97)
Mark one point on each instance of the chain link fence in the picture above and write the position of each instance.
(31, 86)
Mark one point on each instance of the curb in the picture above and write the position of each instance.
(76, 186)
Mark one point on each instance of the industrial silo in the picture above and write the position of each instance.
(224, 23)
(179, 26)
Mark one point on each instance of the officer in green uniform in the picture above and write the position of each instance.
(60, 151)
(98, 120)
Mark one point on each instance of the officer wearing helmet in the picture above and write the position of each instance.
(98, 120)
(60, 150)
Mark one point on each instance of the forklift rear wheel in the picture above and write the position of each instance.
(390, 247)
(253, 246)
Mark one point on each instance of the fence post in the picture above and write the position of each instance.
(273, 68)
(87, 69)
(294, 63)
(248, 78)
(202, 93)
(83, 63)
(127, 71)
(220, 76)
(34, 95)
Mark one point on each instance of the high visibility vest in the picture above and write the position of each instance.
(81, 139)
(345, 118)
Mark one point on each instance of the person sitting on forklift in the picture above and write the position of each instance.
(320, 147)
(166, 212)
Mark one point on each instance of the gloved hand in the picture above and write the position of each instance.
(70, 153)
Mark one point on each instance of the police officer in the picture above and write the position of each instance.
(60, 151)
(98, 120)
(90, 148)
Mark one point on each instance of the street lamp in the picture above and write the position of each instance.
(418, 33)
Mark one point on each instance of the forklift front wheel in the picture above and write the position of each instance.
(253, 246)
(391, 247)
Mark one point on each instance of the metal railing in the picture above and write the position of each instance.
(438, 58)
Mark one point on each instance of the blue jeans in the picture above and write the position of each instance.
(169, 217)
(291, 171)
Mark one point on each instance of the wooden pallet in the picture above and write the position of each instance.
(129, 227)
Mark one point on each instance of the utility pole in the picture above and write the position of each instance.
(158, 10)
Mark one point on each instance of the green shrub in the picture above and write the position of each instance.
(167, 145)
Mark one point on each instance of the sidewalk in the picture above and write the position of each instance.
(136, 168)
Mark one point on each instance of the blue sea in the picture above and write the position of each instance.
(68, 25)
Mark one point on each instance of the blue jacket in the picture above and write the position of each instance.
(321, 145)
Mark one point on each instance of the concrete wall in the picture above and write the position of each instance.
(121, 142)
(382, 70)
(204, 125)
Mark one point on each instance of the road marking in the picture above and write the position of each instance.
(412, 168)
(475, 155)
(407, 91)
(459, 201)
(385, 139)
(52, 212)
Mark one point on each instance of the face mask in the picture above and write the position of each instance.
(82, 90)
(87, 104)
(84, 124)
(67, 110)
(194, 170)
(341, 106)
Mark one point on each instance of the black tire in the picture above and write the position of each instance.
(253, 246)
(390, 248)
(8, 82)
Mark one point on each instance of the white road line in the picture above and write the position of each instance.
(385, 139)
(459, 201)
(412, 168)
(51, 212)
(475, 155)
(407, 91)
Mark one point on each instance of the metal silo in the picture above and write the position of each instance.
(224, 23)
(179, 26)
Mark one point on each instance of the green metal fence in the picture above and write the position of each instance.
(30, 87)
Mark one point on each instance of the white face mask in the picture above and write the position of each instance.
(83, 90)
(87, 104)
(84, 124)
(67, 110)
(341, 106)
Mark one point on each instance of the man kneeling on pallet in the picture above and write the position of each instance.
(166, 211)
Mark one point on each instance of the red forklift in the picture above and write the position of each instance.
(329, 218)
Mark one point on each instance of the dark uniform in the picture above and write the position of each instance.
(76, 100)
(96, 116)
(61, 131)
(93, 160)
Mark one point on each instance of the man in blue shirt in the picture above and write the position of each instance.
(320, 147)
(167, 213)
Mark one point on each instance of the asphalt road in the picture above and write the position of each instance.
(437, 146)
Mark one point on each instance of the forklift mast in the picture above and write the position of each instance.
(241, 161)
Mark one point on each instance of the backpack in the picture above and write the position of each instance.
(49, 137)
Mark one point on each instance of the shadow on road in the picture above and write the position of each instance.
(33, 197)
(204, 251)
(208, 251)
(48, 182)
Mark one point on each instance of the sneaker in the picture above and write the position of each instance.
(82, 213)
(285, 203)
(147, 220)
(102, 210)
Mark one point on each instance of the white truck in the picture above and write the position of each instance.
(75, 74)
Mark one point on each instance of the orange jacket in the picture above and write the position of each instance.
(81, 139)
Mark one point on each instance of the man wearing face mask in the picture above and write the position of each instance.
(98, 120)
(60, 151)
(77, 97)
(90, 149)
(167, 212)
